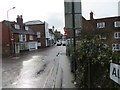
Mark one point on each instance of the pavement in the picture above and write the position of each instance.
(44, 68)
(65, 66)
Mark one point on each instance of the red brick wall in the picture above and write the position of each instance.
(16, 37)
(5, 39)
(108, 31)
(39, 28)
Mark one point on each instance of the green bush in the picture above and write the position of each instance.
(93, 59)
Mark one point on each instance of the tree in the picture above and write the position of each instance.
(58, 35)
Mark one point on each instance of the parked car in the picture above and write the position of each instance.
(58, 43)
(64, 43)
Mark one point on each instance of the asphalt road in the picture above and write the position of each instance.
(42, 68)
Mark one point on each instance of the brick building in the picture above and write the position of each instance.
(17, 37)
(108, 30)
(41, 29)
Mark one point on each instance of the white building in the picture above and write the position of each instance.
(47, 35)
(119, 8)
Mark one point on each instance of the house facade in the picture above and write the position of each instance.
(17, 37)
(108, 30)
(41, 29)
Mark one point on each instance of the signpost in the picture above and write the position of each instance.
(115, 72)
(73, 23)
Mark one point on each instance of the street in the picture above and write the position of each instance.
(44, 68)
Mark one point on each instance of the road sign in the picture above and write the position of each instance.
(66, 33)
(73, 11)
(115, 72)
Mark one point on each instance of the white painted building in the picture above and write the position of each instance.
(47, 35)
(119, 8)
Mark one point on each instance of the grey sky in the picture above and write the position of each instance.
(52, 11)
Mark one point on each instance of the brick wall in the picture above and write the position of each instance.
(5, 39)
(108, 31)
(39, 28)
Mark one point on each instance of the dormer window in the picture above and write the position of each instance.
(26, 28)
(117, 24)
(101, 25)
(17, 26)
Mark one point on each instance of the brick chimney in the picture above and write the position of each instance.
(91, 15)
(20, 20)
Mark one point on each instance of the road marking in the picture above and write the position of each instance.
(50, 71)
(48, 77)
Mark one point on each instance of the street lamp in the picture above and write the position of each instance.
(8, 12)
(10, 33)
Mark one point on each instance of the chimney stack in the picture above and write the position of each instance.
(20, 20)
(91, 15)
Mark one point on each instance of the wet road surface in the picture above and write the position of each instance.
(36, 69)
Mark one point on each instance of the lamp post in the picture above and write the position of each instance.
(8, 12)
(10, 33)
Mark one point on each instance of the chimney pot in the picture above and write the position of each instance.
(91, 15)
(20, 20)
(17, 16)
(21, 16)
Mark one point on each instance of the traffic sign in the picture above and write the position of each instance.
(66, 33)
(115, 72)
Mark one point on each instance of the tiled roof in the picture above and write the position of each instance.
(34, 22)
(20, 31)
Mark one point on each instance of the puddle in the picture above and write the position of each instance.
(42, 70)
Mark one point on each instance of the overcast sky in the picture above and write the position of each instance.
(52, 11)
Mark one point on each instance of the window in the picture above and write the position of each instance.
(101, 25)
(38, 35)
(102, 37)
(31, 37)
(22, 38)
(77, 32)
(26, 28)
(116, 47)
(117, 35)
(17, 26)
(117, 24)
(105, 45)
